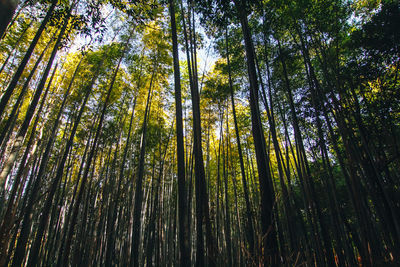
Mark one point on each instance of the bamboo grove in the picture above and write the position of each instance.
(199, 133)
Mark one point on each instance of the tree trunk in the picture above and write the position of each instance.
(7, 10)
(202, 209)
(183, 218)
(270, 246)
(137, 211)
(26, 223)
(31, 109)
(34, 252)
(249, 213)
(13, 83)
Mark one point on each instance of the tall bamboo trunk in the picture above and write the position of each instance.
(249, 213)
(182, 207)
(13, 83)
(27, 221)
(270, 246)
(32, 106)
(137, 211)
(202, 209)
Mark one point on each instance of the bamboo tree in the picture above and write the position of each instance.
(26, 223)
(21, 95)
(183, 218)
(264, 175)
(92, 152)
(34, 253)
(92, 173)
(13, 83)
(17, 42)
(139, 180)
(202, 211)
(31, 109)
(228, 240)
(250, 230)
(8, 216)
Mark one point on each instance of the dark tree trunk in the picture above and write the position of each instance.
(34, 252)
(32, 106)
(137, 211)
(13, 83)
(27, 221)
(270, 246)
(249, 213)
(7, 10)
(8, 217)
(183, 218)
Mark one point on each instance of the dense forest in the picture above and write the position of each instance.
(199, 133)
